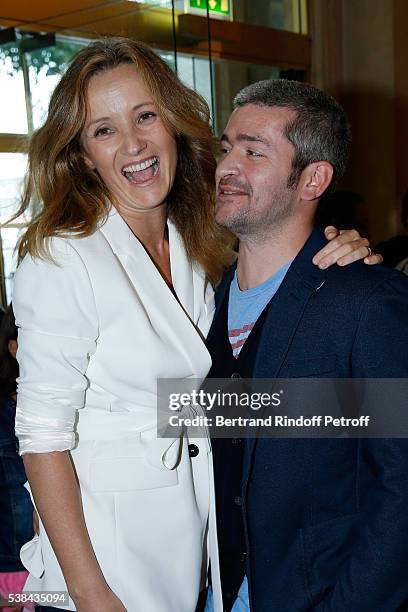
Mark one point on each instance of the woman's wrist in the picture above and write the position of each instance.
(90, 590)
(95, 601)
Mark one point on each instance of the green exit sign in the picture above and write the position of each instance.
(222, 9)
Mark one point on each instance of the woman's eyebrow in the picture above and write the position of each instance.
(107, 118)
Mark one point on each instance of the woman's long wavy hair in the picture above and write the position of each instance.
(8, 365)
(73, 198)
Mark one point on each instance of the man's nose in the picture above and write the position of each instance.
(227, 166)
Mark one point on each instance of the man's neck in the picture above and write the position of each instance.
(258, 261)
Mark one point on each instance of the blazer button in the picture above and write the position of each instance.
(235, 375)
(193, 450)
(238, 500)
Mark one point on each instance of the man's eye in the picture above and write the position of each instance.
(223, 150)
(102, 131)
(143, 117)
(251, 153)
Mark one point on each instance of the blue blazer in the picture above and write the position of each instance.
(326, 521)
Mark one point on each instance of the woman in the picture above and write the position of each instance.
(112, 294)
(16, 511)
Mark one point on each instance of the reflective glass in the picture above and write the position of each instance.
(13, 116)
(288, 15)
(160, 3)
(9, 239)
(229, 78)
(13, 167)
(195, 72)
(12, 172)
(45, 68)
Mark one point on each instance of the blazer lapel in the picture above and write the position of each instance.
(170, 316)
(285, 311)
(284, 314)
(223, 287)
(181, 271)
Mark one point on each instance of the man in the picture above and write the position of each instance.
(303, 524)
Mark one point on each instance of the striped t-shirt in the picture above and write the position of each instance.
(245, 307)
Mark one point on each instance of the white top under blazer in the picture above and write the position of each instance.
(97, 326)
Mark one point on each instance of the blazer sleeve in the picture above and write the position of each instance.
(57, 319)
(375, 576)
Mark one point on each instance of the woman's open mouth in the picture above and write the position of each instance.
(141, 172)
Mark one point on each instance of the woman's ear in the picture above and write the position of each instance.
(88, 161)
(85, 156)
(12, 347)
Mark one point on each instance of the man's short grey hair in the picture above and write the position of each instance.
(319, 131)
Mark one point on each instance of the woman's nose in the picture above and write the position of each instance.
(133, 143)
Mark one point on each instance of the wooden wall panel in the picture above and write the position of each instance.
(401, 95)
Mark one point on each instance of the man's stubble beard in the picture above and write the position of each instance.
(257, 226)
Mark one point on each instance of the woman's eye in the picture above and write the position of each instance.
(146, 116)
(223, 150)
(102, 131)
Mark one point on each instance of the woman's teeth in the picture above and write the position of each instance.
(131, 170)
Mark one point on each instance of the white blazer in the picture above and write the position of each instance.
(98, 326)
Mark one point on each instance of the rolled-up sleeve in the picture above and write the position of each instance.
(57, 318)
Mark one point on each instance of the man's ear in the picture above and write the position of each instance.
(315, 179)
(12, 347)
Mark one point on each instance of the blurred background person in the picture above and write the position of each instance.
(344, 209)
(395, 250)
(16, 511)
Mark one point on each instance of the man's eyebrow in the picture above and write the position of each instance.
(107, 118)
(247, 138)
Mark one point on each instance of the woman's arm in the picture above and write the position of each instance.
(57, 496)
(344, 247)
(58, 325)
